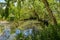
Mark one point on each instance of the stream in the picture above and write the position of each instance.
(6, 34)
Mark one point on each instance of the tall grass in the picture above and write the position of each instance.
(48, 33)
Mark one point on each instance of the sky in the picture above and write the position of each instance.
(5, 6)
(2, 1)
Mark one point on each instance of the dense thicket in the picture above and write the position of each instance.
(40, 15)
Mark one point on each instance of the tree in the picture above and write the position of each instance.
(49, 11)
(7, 9)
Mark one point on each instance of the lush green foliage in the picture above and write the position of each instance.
(15, 11)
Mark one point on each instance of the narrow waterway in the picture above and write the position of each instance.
(6, 33)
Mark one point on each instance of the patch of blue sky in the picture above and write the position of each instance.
(2, 1)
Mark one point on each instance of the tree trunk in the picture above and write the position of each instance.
(45, 22)
(7, 9)
(49, 11)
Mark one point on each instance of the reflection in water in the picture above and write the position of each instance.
(27, 32)
(12, 37)
(7, 32)
(8, 36)
(5, 35)
(17, 31)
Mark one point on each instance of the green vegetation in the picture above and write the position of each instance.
(42, 16)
